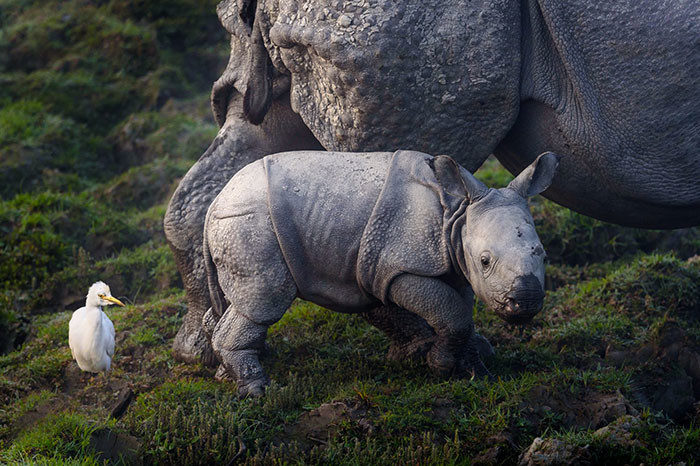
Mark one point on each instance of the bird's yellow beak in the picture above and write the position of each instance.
(114, 300)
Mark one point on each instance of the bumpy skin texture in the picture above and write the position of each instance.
(615, 88)
(378, 233)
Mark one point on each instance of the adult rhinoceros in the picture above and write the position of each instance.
(614, 87)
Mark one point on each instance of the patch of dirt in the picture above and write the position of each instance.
(501, 450)
(586, 409)
(320, 424)
(114, 446)
(443, 409)
(669, 376)
(33, 416)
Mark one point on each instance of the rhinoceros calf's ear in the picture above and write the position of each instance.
(456, 180)
(537, 176)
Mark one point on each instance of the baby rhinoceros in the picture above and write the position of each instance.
(355, 231)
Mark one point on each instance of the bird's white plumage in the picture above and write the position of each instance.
(91, 333)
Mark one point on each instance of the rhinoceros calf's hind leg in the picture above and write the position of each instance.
(240, 335)
(259, 288)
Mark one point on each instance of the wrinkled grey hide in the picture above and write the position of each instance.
(353, 232)
(613, 86)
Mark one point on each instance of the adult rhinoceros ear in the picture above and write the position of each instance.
(537, 176)
(456, 180)
(258, 94)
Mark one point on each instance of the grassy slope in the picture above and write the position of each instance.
(102, 108)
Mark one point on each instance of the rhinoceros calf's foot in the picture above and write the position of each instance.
(253, 388)
(222, 374)
(470, 364)
(246, 370)
(458, 355)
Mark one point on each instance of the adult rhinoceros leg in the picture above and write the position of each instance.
(444, 309)
(237, 144)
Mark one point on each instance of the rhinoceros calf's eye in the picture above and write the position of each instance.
(485, 260)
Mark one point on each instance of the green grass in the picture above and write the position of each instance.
(103, 107)
(60, 439)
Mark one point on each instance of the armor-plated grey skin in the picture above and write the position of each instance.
(614, 87)
(356, 231)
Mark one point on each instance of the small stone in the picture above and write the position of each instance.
(123, 401)
(551, 452)
(344, 21)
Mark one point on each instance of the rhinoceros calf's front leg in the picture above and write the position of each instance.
(454, 351)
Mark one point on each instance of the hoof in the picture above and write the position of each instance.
(191, 345)
(254, 388)
(441, 362)
(414, 350)
(474, 369)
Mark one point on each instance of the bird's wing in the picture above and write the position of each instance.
(72, 327)
(109, 326)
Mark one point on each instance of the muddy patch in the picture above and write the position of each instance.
(319, 425)
(668, 378)
(586, 409)
(113, 447)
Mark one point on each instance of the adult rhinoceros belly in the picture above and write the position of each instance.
(433, 76)
(615, 88)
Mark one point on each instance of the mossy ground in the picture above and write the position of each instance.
(103, 106)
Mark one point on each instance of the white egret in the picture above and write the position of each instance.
(91, 333)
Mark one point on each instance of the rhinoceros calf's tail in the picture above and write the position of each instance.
(218, 299)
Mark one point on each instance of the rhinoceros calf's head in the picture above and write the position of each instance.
(503, 256)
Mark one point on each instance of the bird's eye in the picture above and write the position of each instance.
(101, 296)
(485, 261)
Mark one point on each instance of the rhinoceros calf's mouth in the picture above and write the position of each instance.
(518, 313)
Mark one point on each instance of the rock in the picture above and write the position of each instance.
(674, 397)
(588, 409)
(553, 452)
(619, 432)
(619, 358)
(319, 424)
(606, 408)
(690, 362)
(344, 21)
(124, 398)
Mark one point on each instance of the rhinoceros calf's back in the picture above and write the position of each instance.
(319, 206)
